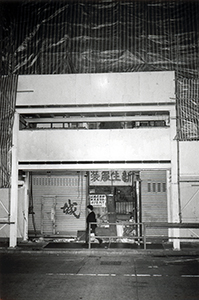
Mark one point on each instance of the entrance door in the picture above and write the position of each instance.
(118, 188)
(48, 207)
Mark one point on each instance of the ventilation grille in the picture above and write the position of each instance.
(55, 181)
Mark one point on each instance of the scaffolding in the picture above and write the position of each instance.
(65, 37)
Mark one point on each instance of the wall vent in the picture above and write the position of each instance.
(55, 181)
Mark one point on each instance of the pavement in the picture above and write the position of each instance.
(63, 246)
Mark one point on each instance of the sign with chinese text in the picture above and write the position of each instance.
(97, 200)
(70, 208)
(110, 178)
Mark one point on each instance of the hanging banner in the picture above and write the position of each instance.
(110, 178)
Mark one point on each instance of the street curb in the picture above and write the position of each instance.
(104, 252)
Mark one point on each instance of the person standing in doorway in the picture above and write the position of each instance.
(91, 218)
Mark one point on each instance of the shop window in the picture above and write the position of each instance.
(124, 199)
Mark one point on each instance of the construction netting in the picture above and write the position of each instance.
(8, 87)
(188, 109)
(102, 36)
(62, 37)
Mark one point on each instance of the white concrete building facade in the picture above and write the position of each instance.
(109, 139)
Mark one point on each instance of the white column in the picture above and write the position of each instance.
(14, 185)
(174, 201)
(168, 178)
(26, 206)
(138, 206)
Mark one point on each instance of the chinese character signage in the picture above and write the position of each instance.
(70, 209)
(111, 178)
(97, 200)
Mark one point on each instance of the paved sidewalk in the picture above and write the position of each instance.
(46, 246)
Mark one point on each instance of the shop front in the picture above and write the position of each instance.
(113, 196)
(58, 201)
(122, 200)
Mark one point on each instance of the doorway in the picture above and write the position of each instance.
(114, 204)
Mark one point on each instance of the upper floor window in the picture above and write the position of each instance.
(106, 120)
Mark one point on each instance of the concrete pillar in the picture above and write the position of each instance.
(14, 185)
(174, 201)
(26, 206)
(168, 178)
(138, 207)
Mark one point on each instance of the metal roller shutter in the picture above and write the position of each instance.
(154, 199)
(59, 204)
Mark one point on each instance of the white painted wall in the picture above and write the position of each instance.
(94, 145)
(4, 211)
(189, 185)
(189, 158)
(4, 214)
(96, 88)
